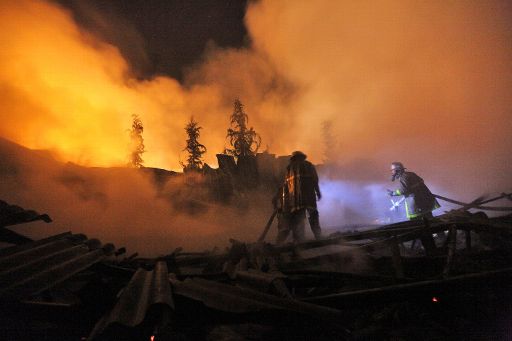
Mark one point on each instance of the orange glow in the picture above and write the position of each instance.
(397, 79)
(66, 91)
(425, 83)
(64, 94)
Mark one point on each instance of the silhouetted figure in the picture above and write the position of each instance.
(419, 201)
(281, 205)
(302, 191)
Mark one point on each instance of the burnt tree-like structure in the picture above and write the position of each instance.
(194, 148)
(137, 143)
(244, 141)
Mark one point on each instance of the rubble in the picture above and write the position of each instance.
(378, 282)
(12, 215)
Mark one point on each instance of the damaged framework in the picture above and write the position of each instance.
(353, 285)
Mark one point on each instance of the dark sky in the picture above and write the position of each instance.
(163, 36)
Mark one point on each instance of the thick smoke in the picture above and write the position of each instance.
(67, 91)
(422, 83)
(125, 206)
(427, 84)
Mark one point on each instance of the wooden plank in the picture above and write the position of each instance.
(452, 243)
(397, 259)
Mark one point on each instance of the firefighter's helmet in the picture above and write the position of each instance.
(398, 166)
(298, 155)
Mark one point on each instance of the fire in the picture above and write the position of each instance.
(69, 92)
(64, 94)
(374, 70)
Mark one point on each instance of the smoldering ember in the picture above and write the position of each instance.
(255, 170)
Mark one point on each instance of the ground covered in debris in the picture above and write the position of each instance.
(445, 278)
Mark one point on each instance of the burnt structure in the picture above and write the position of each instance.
(250, 171)
(366, 284)
(11, 215)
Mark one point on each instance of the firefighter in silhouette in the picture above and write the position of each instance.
(302, 190)
(419, 201)
(282, 207)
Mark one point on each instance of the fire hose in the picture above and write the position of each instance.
(478, 202)
(474, 204)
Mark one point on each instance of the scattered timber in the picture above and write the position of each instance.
(445, 278)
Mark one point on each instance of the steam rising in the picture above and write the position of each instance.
(425, 83)
(122, 205)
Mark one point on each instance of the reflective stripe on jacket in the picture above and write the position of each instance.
(419, 200)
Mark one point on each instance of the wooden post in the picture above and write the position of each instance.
(468, 240)
(397, 259)
(413, 244)
(427, 240)
(452, 243)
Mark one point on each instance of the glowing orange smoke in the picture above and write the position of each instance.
(62, 93)
(427, 84)
(65, 90)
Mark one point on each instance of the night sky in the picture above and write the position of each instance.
(163, 36)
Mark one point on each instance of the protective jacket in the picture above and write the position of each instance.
(280, 200)
(301, 185)
(418, 198)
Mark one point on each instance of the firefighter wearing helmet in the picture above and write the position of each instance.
(302, 191)
(419, 201)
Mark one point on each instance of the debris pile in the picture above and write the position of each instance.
(444, 278)
(13, 215)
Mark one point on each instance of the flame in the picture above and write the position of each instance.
(397, 81)
(66, 91)
(425, 83)
(66, 94)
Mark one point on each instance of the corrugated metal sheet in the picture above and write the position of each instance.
(20, 248)
(145, 289)
(34, 251)
(12, 215)
(245, 278)
(265, 281)
(31, 268)
(235, 299)
(11, 237)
